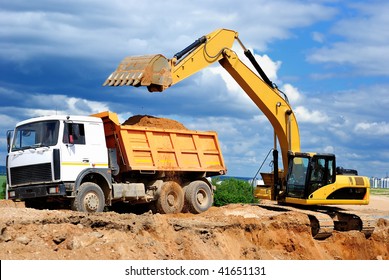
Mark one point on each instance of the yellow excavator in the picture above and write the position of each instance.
(308, 181)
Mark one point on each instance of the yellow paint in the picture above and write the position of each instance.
(73, 163)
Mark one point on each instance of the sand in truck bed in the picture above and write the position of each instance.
(151, 121)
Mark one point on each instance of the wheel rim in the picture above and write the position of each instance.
(91, 202)
(201, 197)
(171, 199)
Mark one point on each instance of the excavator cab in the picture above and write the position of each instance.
(307, 173)
(313, 179)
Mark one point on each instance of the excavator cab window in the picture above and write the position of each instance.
(297, 176)
(308, 174)
(322, 172)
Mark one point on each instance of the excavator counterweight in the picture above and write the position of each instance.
(153, 71)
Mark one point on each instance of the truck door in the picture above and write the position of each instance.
(74, 154)
(84, 147)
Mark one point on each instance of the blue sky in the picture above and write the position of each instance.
(330, 57)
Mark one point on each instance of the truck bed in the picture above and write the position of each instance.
(157, 149)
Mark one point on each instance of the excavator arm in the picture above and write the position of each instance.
(159, 73)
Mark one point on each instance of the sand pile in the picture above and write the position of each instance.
(150, 121)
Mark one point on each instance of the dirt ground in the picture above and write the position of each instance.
(244, 232)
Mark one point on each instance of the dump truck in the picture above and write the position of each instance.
(91, 162)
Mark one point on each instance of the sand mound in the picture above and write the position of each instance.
(244, 232)
(150, 121)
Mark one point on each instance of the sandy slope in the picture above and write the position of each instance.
(230, 232)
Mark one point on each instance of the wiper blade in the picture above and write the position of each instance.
(35, 146)
(38, 145)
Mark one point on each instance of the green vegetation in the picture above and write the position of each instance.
(384, 192)
(232, 191)
(2, 186)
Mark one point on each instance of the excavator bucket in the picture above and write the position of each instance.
(153, 71)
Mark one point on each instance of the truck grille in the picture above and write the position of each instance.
(30, 174)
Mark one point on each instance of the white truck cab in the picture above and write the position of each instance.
(47, 155)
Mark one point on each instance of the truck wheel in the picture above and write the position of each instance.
(171, 198)
(90, 198)
(198, 197)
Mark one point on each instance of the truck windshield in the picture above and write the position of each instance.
(34, 135)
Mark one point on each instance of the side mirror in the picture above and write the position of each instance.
(9, 138)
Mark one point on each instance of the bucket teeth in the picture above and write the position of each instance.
(112, 82)
(119, 80)
(123, 82)
(108, 80)
(138, 79)
(130, 80)
(125, 79)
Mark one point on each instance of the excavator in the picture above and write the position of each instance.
(309, 182)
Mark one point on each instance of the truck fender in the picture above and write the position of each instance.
(99, 176)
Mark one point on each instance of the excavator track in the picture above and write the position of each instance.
(322, 225)
(324, 220)
(350, 220)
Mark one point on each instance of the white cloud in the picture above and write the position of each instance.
(364, 43)
(310, 116)
(230, 83)
(7, 122)
(224, 89)
(293, 94)
(63, 105)
(227, 126)
(34, 105)
(329, 149)
(260, 119)
(318, 37)
(234, 93)
(374, 128)
(108, 30)
(269, 66)
(340, 133)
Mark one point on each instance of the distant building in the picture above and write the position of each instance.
(377, 183)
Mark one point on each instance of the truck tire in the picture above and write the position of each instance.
(90, 198)
(198, 197)
(170, 199)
